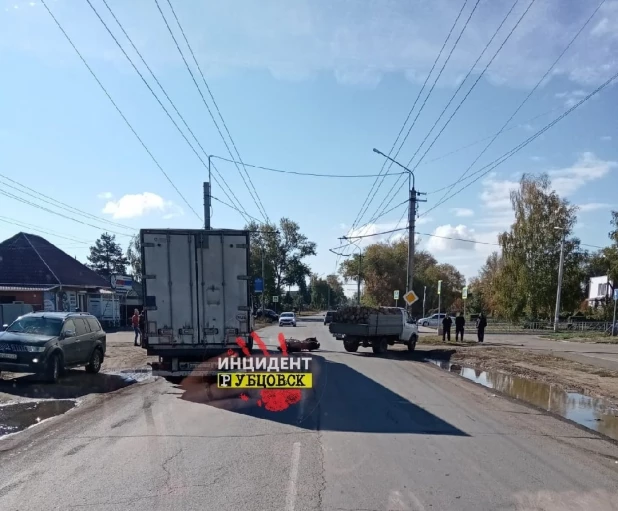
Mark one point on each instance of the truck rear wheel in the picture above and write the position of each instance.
(350, 345)
(379, 346)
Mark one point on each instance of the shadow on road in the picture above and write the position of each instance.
(72, 385)
(342, 399)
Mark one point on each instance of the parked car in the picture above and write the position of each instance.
(47, 343)
(287, 318)
(328, 317)
(433, 320)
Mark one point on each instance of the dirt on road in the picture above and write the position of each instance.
(568, 375)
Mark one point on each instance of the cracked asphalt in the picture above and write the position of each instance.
(376, 433)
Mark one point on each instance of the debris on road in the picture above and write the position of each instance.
(296, 345)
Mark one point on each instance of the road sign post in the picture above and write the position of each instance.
(410, 297)
(439, 303)
(464, 297)
(396, 296)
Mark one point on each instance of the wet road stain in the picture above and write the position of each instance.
(593, 413)
(19, 416)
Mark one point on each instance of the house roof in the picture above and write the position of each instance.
(29, 260)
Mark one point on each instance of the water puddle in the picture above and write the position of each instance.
(19, 416)
(596, 414)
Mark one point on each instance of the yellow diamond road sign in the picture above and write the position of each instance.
(410, 297)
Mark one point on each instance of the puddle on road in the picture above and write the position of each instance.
(19, 416)
(593, 413)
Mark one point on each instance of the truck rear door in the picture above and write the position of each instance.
(196, 287)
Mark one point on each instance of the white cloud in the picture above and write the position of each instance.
(356, 43)
(424, 220)
(140, 204)
(496, 203)
(105, 195)
(447, 238)
(587, 168)
(462, 212)
(571, 98)
(593, 206)
(537, 158)
(606, 138)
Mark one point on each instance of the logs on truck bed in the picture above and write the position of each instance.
(358, 314)
(295, 345)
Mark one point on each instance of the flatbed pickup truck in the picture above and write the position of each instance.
(380, 331)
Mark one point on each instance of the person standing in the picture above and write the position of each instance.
(142, 327)
(460, 322)
(446, 327)
(481, 323)
(135, 323)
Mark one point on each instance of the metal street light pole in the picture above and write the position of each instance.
(412, 202)
(560, 271)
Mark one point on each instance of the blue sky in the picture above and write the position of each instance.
(307, 86)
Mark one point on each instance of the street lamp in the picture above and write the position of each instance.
(560, 271)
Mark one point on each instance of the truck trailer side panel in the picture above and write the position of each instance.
(196, 288)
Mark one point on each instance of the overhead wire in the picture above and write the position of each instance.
(537, 85)
(18, 223)
(478, 78)
(501, 159)
(257, 201)
(437, 78)
(38, 206)
(120, 111)
(205, 165)
(365, 206)
(55, 202)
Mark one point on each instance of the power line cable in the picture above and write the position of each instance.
(478, 78)
(370, 197)
(199, 68)
(311, 174)
(157, 98)
(538, 84)
(498, 161)
(257, 202)
(234, 207)
(118, 110)
(461, 32)
(17, 223)
(21, 199)
(55, 202)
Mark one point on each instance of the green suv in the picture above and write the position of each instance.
(47, 343)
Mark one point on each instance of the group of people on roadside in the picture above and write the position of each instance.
(460, 323)
(137, 320)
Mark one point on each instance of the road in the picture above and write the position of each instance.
(376, 433)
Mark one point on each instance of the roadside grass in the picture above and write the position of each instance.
(581, 337)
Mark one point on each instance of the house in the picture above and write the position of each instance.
(600, 289)
(33, 271)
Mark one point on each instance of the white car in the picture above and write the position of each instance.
(433, 320)
(287, 318)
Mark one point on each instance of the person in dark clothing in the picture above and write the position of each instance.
(481, 323)
(460, 322)
(446, 327)
(142, 325)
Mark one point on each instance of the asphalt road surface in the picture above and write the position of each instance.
(376, 433)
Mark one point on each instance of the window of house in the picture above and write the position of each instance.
(602, 290)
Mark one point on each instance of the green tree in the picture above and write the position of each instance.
(527, 280)
(284, 249)
(106, 256)
(134, 258)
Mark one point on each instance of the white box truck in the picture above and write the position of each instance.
(196, 291)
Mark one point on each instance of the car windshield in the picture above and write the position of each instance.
(36, 326)
(287, 315)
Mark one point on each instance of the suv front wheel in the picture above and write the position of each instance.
(54, 368)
